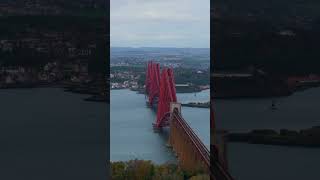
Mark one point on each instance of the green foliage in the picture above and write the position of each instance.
(142, 79)
(167, 172)
(117, 170)
(146, 170)
(135, 69)
(132, 170)
(138, 169)
(200, 177)
(183, 76)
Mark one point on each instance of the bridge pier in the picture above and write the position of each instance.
(172, 140)
(175, 105)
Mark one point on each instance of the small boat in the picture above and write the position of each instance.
(273, 105)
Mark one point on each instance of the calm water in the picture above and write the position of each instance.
(46, 133)
(300, 110)
(132, 135)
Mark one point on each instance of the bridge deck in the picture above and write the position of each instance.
(216, 170)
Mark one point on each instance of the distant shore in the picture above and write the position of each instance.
(304, 138)
(197, 104)
(259, 85)
(93, 90)
(178, 90)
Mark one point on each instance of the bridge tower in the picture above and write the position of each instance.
(193, 155)
(152, 82)
(167, 95)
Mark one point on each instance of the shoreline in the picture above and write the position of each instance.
(263, 96)
(304, 138)
(92, 92)
(196, 105)
(141, 91)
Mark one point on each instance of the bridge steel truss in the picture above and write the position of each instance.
(191, 152)
(193, 155)
(162, 88)
(152, 81)
(166, 96)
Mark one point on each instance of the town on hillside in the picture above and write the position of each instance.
(56, 46)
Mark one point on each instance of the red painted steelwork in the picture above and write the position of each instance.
(152, 81)
(216, 169)
(167, 94)
(162, 87)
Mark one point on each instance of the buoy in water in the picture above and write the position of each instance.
(273, 106)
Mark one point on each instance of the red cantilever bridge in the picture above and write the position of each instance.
(193, 155)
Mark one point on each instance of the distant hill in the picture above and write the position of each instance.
(300, 13)
(53, 7)
(161, 50)
(186, 57)
(281, 36)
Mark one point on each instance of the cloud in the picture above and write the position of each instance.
(163, 22)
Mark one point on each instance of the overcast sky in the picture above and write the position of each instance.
(160, 23)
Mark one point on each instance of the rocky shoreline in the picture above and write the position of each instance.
(197, 104)
(304, 138)
(95, 89)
